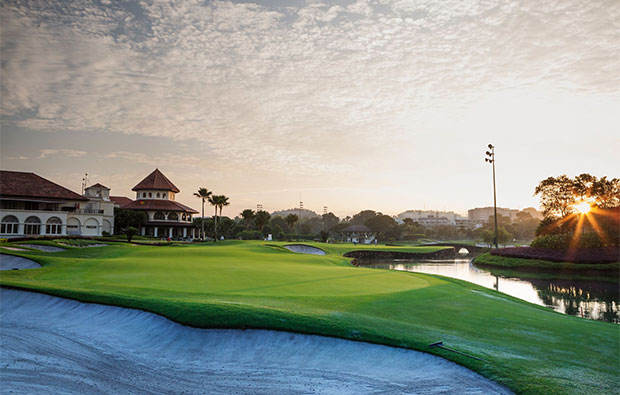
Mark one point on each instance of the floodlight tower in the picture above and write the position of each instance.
(491, 159)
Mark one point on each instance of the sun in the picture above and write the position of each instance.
(583, 207)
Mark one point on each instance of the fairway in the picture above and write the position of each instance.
(256, 285)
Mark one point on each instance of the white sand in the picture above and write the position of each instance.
(44, 247)
(54, 345)
(304, 249)
(10, 262)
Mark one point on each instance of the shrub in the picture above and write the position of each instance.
(105, 234)
(575, 255)
(250, 235)
(565, 240)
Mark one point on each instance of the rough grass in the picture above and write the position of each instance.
(528, 348)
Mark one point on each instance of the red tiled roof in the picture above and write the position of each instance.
(122, 201)
(159, 205)
(156, 180)
(97, 185)
(22, 184)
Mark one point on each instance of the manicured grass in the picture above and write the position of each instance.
(521, 263)
(252, 285)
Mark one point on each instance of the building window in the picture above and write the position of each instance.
(150, 194)
(53, 226)
(157, 195)
(143, 194)
(91, 226)
(9, 225)
(163, 195)
(173, 217)
(159, 215)
(32, 226)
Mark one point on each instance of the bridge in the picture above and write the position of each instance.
(471, 249)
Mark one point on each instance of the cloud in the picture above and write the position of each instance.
(310, 88)
(58, 153)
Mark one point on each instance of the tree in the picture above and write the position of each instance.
(362, 217)
(557, 196)
(248, 216)
(221, 200)
(329, 221)
(503, 236)
(290, 221)
(213, 200)
(487, 237)
(384, 226)
(261, 219)
(203, 194)
(324, 235)
(130, 232)
(123, 219)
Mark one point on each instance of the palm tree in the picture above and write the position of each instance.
(248, 216)
(222, 200)
(290, 221)
(213, 199)
(203, 193)
(261, 219)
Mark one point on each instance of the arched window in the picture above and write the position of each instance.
(184, 216)
(9, 225)
(157, 195)
(163, 195)
(173, 217)
(53, 226)
(143, 194)
(32, 226)
(150, 194)
(159, 215)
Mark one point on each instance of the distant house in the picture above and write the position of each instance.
(31, 205)
(360, 234)
(155, 195)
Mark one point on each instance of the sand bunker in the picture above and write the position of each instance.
(84, 246)
(44, 247)
(304, 249)
(55, 345)
(10, 262)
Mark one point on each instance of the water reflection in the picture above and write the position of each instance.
(592, 298)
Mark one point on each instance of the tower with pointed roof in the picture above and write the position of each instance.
(167, 218)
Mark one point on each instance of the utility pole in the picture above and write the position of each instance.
(491, 159)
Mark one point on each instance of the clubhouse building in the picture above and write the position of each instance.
(31, 206)
(155, 195)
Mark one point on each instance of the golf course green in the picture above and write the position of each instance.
(241, 284)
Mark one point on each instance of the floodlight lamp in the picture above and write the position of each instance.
(488, 153)
(490, 146)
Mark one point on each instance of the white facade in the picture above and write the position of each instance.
(31, 217)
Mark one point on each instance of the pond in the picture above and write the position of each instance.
(594, 298)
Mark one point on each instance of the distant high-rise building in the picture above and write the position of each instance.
(482, 214)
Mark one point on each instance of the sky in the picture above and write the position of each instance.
(364, 104)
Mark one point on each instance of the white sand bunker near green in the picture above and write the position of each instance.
(12, 262)
(54, 345)
(304, 249)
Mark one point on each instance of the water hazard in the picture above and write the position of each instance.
(595, 298)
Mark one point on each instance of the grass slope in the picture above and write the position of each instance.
(528, 348)
(502, 262)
